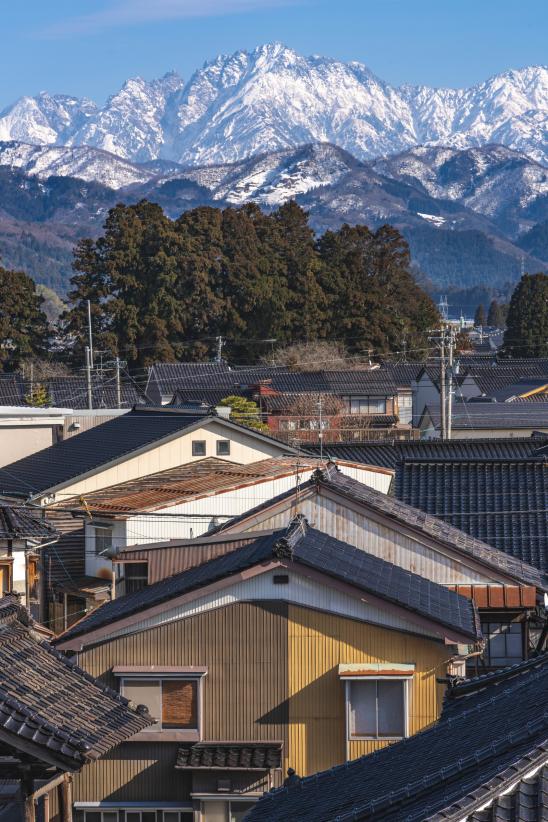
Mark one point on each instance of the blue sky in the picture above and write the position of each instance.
(89, 47)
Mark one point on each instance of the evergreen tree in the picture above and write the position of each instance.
(306, 304)
(24, 330)
(496, 316)
(245, 412)
(479, 316)
(38, 397)
(526, 332)
(374, 300)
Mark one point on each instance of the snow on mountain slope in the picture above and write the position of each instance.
(494, 181)
(130, 125)
(272, 98)
(273, 178)
(44, 119)
(84, 163)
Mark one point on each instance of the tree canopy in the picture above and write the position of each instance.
(526, 332)
(163, 289)
(24, 331)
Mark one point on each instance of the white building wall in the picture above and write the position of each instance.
(194, 518)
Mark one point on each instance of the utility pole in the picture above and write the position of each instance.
(451, 346)
(118, 387)
(90, 335)
(88, 377)
(320, 435)
(32, 380)
(219, 354)
(443, 377)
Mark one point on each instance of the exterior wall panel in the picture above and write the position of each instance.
(318, 643)
(244, 693)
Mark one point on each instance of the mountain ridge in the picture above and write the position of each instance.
(272, 98)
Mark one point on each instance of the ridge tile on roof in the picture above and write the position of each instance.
(305, 546)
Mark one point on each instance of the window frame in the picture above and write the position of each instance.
(195, 444)
(405, 680)
(81, 811)
(487, 620)
(102, 526)
(123, 581)
(168, 734)
(224, 443)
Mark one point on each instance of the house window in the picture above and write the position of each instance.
(135, 576)
(132, 815)
(223, 448)
(226, 811)
(172, 702)
(367, 405)
(504, 643)
(376, 708)
(103, 540)
(198, 448)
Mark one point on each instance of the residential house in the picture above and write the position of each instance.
(487, 419)
(508, 591)
(190, 500)
(55, 719)
(24, 430)
(141, 442)
(294, 649)
(485, 760)
(290, 401)
(23, 536)
(475, 377)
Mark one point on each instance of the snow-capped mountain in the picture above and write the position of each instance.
(494, 181)
(45, 119)
(272, 98)
(82, 162)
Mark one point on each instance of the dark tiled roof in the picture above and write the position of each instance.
(47, 700)
(71, 392)
(12, 390)
(18, 522)
(436, 527)
(259, 756)
(403, 373)
(110, 441)
(305, 546)
(389, 454)
(503, 502)
(467, 759)
(492, 415)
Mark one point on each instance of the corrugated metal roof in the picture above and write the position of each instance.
(103, 444)
(185, 482)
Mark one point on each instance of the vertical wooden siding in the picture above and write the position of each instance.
(317, 644)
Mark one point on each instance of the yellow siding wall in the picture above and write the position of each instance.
(317, 643)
